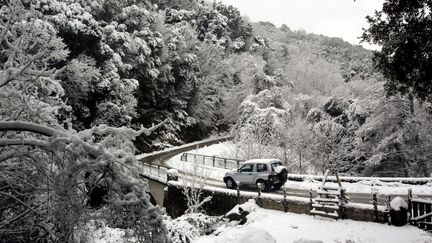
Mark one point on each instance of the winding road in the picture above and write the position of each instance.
(160, 157)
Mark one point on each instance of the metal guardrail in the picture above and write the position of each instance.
(155, 172)
(211, 161)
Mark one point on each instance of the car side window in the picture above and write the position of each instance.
(261, 168)
(246, 168)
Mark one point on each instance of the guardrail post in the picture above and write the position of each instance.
(225, 163)
(310, 200)
(343, 201)
(285, 203)
(259, 196)
(214, 159)
(158, 171)
(375, 205)
(409, 204)
(238, 193)
(238, 164)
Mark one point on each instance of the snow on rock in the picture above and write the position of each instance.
(249, 206)
(252, 234)
(397, 203)
(274, 226)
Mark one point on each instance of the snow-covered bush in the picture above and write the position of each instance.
(189, 227)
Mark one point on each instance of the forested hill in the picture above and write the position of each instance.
(314, 101)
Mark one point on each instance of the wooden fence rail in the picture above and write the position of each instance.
(420, 212)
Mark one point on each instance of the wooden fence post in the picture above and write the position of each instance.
(414, 210)
(310, 200)
(428, 209)
(421, 207)
(343, 201)
(238, 193)
(259, 197)
(409, 204)
(375, 205)
(388, 210)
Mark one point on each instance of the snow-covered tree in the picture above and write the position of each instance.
(261, 119)
(51, 174)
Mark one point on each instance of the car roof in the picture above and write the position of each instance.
(264, 161)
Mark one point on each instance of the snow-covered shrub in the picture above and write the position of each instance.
(189, 227)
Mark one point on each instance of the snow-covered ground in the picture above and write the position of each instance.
(273, 226)
(226, 149)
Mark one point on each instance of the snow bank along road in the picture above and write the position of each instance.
(359, 192)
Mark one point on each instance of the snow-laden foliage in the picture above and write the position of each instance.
(261, 119)
(52, 175)
(189, 227)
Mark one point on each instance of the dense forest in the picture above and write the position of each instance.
(79, 81)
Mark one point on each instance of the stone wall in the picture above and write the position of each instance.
(223, 201)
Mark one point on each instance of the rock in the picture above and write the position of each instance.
(233, 217)
(240, 216)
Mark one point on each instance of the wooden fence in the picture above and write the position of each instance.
(420, 212)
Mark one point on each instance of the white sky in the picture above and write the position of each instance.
(334, 18)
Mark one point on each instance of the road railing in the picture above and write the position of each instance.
(211, 161)
(155, 172)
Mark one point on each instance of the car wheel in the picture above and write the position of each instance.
(262, 185)
(229, 182)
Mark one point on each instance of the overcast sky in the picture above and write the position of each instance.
(334, 18)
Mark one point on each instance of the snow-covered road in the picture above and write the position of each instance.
(359, 192)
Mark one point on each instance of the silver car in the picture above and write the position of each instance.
(264, 173)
